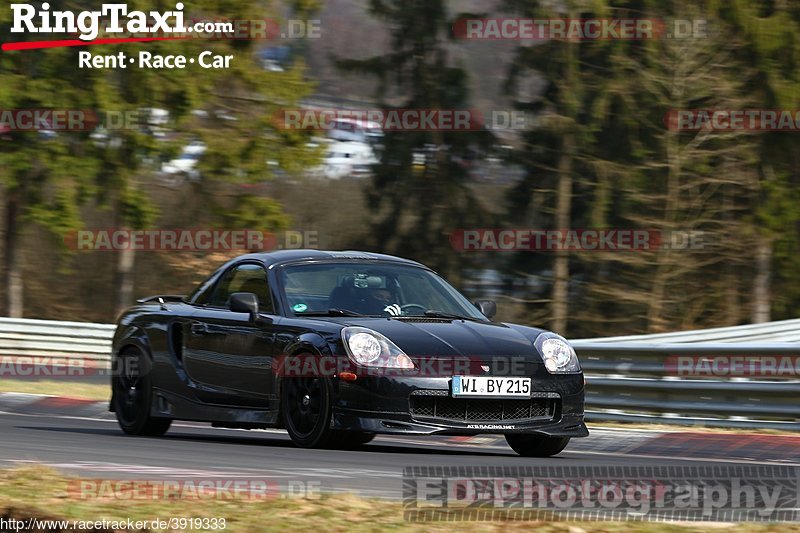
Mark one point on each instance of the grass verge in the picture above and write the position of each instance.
(38, 492)
(70, 389)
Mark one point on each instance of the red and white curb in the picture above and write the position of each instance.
(670, 444)
(600, 440)
(40, 404)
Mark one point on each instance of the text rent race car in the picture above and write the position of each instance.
(336, 347)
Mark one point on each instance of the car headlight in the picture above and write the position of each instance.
(366, 347)
(558, 355)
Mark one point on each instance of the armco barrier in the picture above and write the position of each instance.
(637, 382)
(627, 379)
(46, 338)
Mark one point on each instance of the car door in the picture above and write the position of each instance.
(228, 356)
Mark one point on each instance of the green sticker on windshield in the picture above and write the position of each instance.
(300, 308)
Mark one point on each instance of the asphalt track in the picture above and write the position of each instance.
(96, 448)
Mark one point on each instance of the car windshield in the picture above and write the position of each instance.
(372, 289)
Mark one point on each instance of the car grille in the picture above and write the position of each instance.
(438, 404)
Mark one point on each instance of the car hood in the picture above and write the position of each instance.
(445, 338)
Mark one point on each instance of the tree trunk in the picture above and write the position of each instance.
(763, 256)
(560, 298)
(656, 321)
(733, 307)
(12, 273)
(761, 283)
(125, 283)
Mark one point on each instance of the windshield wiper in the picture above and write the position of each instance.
(443, 314)
(331, 312)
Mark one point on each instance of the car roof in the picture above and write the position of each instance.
(290, 256)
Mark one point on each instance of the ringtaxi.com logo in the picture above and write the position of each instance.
(32, 19)
(117, 20)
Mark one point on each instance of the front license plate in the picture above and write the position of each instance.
(490, 387)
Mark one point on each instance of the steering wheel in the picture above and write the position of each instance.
(405, 307)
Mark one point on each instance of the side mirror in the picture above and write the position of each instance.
(487, 307)
(244, 302)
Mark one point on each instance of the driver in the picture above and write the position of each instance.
(382, 301)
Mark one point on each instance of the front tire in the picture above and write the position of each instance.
(536, 445)
(349, 440)
(132, 388)
(306, 408)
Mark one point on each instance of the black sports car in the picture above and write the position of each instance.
(336, 347)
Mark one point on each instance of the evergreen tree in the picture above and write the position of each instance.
(416, 206)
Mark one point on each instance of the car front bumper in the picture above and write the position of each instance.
(425, 406)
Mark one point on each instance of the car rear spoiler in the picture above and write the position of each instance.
(162, 298)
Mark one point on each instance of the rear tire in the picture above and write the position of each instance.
(306, 409)
(132, 387)
(536, 445)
